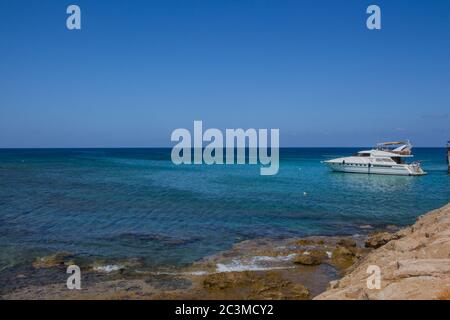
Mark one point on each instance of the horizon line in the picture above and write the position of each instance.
(170, 147)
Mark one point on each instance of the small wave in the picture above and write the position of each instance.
(254, 264)
(196, 273)
(274, 259)
(239, 267)
(188, 273)
(108, 268)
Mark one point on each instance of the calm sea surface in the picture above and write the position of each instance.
(122, 203)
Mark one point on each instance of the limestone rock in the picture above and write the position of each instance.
(414, 264)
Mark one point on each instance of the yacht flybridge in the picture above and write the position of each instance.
(386, 158)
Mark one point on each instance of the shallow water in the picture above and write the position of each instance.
(122, 203)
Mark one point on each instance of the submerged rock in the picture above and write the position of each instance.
(346, 242)
(307, 260)
(54, 260)
(304, 242)
(311, 258)
(343, 258)
(309, 242)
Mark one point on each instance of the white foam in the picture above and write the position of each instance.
(108, 268)
(190, 273)
(253, 265)
(196, 273)
(274, 259)
(240, 267)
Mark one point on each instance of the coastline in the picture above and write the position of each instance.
(329, 267)
(415, 264)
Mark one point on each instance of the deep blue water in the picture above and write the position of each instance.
(119, 203)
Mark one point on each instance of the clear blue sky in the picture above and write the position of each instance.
(139, 69)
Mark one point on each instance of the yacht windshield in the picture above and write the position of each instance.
(398, 160)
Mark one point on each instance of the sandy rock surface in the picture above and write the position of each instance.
(414, 263)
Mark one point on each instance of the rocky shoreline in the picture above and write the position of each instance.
(302, 268)
(414, 263)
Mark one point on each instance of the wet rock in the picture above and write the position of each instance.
(309, 242)
(304, 242)
(54, 260)
(311, 258)
(253, 285)
(168, 282)
(378, 239)
(343, 258)
(307, 260)
(347, 242)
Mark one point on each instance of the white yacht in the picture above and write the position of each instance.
(385, 158)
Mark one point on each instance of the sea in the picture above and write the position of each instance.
(135, 203)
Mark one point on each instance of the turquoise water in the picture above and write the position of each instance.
(121, 203)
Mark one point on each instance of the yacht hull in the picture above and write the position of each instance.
(398, 170)
(379, 161)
